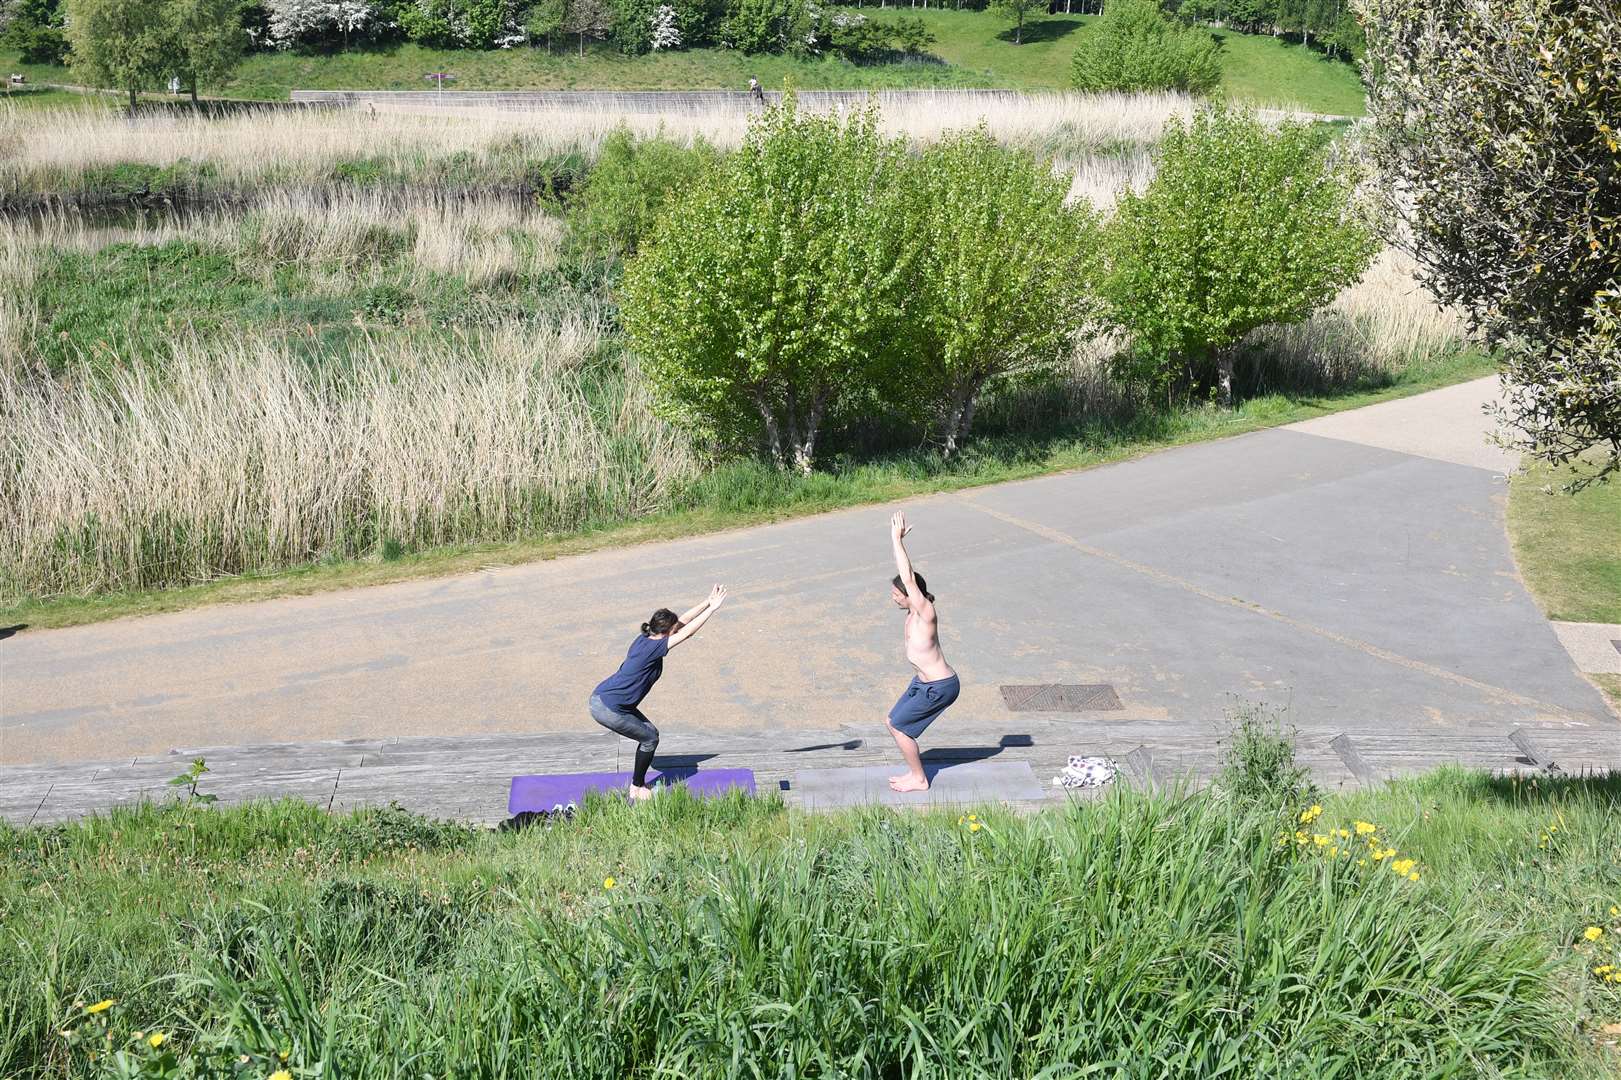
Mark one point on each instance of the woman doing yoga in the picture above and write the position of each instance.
(614, 702)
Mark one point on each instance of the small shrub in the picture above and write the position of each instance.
(1258, 766)
(1243, 226)
(627, 191)
(1135, 48)
(1002, 281)
(766, 302)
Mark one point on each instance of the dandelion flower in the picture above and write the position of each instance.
(101, 1006)
(973, 817)
(1593, 933)
(155, 1039)
(1363, 828)
(1402, 866)
(608, 883)
(1615, 910)
(973, 826)
(1345, 834)
(1413, 876)
(281, 1074)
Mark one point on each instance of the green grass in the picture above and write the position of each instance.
(747, 493)
(1135, 937)
(1568, 546)
(974, 49)
(41, 97)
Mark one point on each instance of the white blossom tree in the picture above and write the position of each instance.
(665, 33)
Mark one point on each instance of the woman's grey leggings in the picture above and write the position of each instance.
(630, 723)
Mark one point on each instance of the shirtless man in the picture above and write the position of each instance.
(935, 685)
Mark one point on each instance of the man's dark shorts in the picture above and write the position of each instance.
(922, 702)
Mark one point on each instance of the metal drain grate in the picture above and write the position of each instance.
(1060, 697)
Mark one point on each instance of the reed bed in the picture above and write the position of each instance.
(238, 456)
(43, 150)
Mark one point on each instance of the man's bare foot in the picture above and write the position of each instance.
(909, 782)
(640, 794)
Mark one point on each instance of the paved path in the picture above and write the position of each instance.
(1361, 588)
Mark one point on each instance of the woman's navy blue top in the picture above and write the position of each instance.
(643, 665)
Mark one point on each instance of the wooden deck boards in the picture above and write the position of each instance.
(466, 778)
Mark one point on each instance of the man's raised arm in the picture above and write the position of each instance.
(903, 562)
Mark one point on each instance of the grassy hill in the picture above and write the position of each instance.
(974, 49)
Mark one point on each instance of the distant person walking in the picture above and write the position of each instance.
(756, 93)
(614, 702)
(935, 685)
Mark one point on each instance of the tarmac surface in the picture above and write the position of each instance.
(1352, 572)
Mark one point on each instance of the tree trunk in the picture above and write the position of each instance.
(194, 93)
(582, 44)
(1224, 375)
(960, 419)
(773, 435)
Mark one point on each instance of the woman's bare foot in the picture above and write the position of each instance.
(909, 782)
(640, 794)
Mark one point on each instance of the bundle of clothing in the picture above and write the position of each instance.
(1086, 772)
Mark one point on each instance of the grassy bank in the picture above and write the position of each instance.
(972, 49)
(1147, 936)
(1568, 547)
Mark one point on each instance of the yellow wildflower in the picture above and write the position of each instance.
(973, 826)
(1345, 834)
(155, 1039)
(973, 817)
(1334, 852)
(1362, 862)
(1319, 839)
(608, 883)
(1402, 866)
(1363, 828)
(281, 1074)
(101, 1006)
(1615, 910)
(1593, 933)
(1413, 876)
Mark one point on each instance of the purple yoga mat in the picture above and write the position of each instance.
(543, 794)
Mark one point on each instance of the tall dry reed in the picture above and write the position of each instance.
(57, 150)
(240, 456)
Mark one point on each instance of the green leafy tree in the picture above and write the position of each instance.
(1020, 11)
(1497, 133)
(911, 35)
(545, 19)
(628, 188)
(1242, 226)
(124, 44)
(1133, 47)
(34, 29)
(209, 41)
(767, 301)
(1003, 279)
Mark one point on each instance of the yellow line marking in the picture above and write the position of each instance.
(1359, 645)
